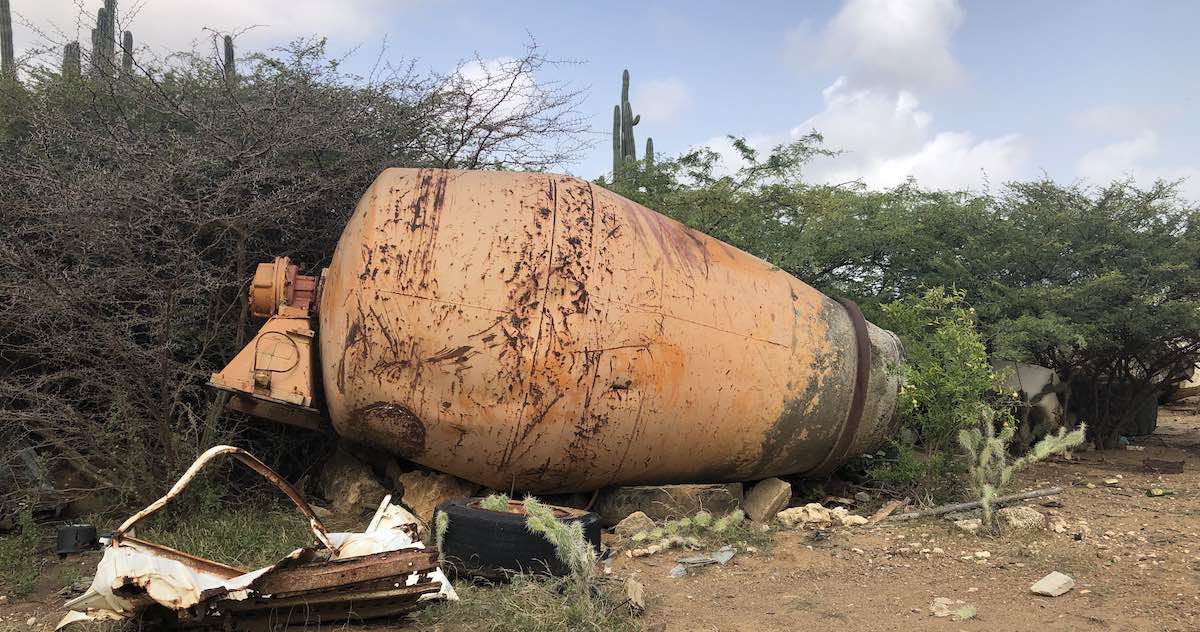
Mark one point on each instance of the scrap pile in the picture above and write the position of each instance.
(381, 571)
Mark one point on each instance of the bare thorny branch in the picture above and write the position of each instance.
(136, 206)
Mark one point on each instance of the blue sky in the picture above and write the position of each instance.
(956, 94)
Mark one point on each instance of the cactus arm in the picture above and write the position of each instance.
(230, 61)
(8, 63)
(127, 54)
(616, 141)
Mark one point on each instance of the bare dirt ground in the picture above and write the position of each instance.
(1137, 566)
(1136, 562)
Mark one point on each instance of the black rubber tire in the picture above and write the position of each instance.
(480, 542)
(76, 538)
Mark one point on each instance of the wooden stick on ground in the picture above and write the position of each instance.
(975, 504)
(887, 510)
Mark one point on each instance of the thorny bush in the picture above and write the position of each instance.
(135, 207)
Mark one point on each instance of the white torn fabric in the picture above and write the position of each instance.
(396, 517)
(159, 579)
(358, 544)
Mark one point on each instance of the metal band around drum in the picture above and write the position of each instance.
(862, 378)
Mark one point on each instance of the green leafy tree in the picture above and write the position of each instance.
(1102, 285)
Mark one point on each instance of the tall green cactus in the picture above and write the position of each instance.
(8, 62)
(110, 33)
(101, 61)
(624, 146)
(618, 156)
(71, 66)
(230, 61)
(127, 54)
(104, 40)
(628, 120)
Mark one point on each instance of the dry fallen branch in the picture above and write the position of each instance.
(975, 504)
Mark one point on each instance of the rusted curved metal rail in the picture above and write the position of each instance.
(249, 460)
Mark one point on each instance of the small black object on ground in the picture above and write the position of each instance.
(76, 538)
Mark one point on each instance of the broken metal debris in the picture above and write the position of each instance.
(382, 571)
(687, 564)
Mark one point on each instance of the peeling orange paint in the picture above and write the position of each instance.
(541, 333)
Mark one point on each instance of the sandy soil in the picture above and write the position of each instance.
(1136, 564)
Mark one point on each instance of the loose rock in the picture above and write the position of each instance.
(349, 485)
(1021, 518)
(633, 523)
(424, 491)
(320, 511)
(847, 519)
(1053, 585)
(815, 515)
(810, 514)
(635, 594)
(970, 525)
(766, 499)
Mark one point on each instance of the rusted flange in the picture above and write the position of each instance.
(862, 379)
(278, 288)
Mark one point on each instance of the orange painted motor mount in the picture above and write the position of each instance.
(539, 333)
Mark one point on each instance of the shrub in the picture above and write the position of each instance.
(18, 555)
(946, 378)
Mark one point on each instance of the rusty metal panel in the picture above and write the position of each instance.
(537, 332)
(285, 580)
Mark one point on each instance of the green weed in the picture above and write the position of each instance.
(19, 563)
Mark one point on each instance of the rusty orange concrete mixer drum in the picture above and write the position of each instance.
(539, 333)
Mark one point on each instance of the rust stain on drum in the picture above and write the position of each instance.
(394, 426)
(539, 332)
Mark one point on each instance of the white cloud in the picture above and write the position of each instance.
(173, 24)
(1120, 120)
(863, 120)
(884, 43)
(1134, 157)
(660, 101)
(886, 138)
(1117, 160)
(886, 52)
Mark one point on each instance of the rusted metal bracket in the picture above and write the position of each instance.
(318, 528)
(862, 379)
(275, 376)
